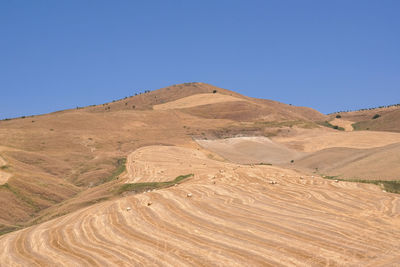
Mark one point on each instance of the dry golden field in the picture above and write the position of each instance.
(94, 186)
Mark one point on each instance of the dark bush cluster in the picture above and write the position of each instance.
(376, 116)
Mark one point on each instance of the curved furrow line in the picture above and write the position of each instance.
(63, 240)
(104, 231)
(184, 241)
(323, 224)
(239, 224)
(224, 223)
(204, 229)
(115, 254)
(24, 250)
(297, 209)
(233, 216)
(62, 243)
(81, 238)
(146, 245)
(283, 231)
(9, 254)
(175, 232)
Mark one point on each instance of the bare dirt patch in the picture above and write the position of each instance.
(318, 139)
(246, 150)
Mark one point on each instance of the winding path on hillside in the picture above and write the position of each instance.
(234, 217)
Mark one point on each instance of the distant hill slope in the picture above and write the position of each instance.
(220, 104)
(379, 119)
(351, 155)
(69, 159)
(146, 100)
(382, 163)
(388, 121)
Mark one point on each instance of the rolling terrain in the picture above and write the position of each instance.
(69, 159)
(95, 185)
(234, 216)
(374, 119)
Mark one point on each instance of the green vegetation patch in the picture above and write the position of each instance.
(4, 167)
(357, 126)
(120, 168)
(7, 229)
(141, 187)
(328, 124)
(280, 124)
(21, 196)
(376, 116)
(388, 186)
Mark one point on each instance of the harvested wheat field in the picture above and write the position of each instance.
(250, 150)
(185, 176)
(226, 214)
(197, 100)
(318, 139)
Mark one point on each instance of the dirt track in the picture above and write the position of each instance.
(242, 219)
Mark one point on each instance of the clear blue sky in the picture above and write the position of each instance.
(329, 55)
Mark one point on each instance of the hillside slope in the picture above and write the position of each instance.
(380, 163)
(233, 217)
(378, 119)
(63, 161)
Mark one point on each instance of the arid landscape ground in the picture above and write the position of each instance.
(196, 175)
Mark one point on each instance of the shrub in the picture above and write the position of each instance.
(338, 116)
(376, 116)
(214, 91)
(141, 187)
(328, 124)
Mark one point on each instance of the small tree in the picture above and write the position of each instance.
(338, 116)
(376, 116)
(214, 91)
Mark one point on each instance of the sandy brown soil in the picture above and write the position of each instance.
(241, 219)
(197, 100)
(322, 138)
(356, 155)
(251, 150)
(65, 166)
(70, 156)
(380, 163)
(170, 162)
